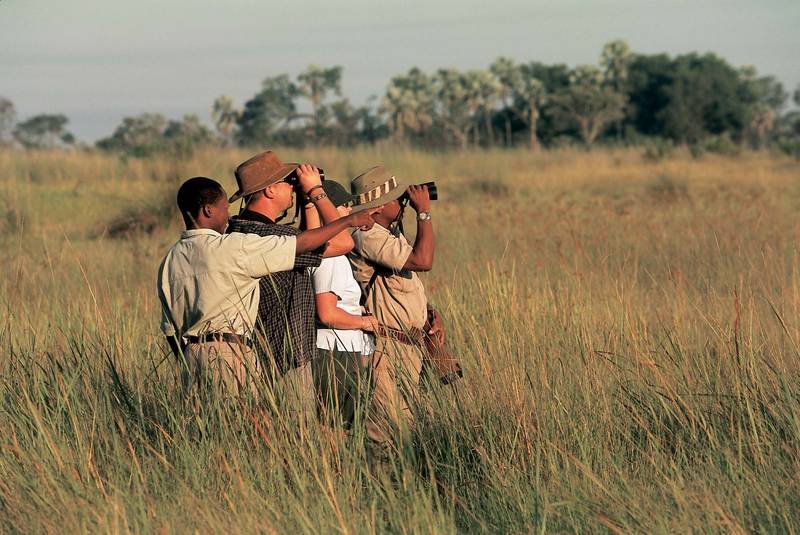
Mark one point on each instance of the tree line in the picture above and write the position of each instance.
(626, 98)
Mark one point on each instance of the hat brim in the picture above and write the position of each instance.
(280, 174)
(396, 193)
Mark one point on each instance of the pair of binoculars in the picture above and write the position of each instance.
(433, 193)
(295, 182)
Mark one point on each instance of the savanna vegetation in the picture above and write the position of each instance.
(627, 320)
(625, 99)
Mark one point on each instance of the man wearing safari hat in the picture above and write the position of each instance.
(385, 264)
(208, 285)
(285, 331)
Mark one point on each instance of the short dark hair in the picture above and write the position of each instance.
(196, 193)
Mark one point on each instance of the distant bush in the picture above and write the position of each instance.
(790, 147)
(141, 219)
(490, 188)
(12, 219)
(151, 133)
(721, 144)
(667, 188)
(657, 149)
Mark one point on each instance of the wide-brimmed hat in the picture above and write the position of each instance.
(337, 194)
(375, 187)
(260, 172)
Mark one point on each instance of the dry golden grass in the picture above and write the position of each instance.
(629, 331)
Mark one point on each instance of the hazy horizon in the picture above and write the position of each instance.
(99, 61)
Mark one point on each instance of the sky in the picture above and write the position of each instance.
(98, 61)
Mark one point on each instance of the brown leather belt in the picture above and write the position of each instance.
(412, 337)
(231, 338)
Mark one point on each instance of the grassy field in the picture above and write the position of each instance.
(629, 331)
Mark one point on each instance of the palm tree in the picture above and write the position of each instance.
(530, 91)
(615, 60)
(485, 89)
(225, 116)
(457, 103)
(408, 104)
(315, 84)
(507, 74)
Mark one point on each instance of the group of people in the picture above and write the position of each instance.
(332, 312)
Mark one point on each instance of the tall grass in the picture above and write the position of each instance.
(629, 331)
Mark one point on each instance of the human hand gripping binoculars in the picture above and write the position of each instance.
(294, 181)
(433, 192)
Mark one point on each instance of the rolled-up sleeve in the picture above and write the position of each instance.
(262, 255)
(310, 259)
(383, 248)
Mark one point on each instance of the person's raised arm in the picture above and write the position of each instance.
(311, 184)
(421, 257)
(314, 238)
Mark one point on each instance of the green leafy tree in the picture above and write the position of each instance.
(184, 136)
(345, 131)
(587, 104)
(8, 116)
(315, 84)
(707, 97)
(138, 136)
(44, 131)
(269, 111)
(225, 116)
(649, 80)
(372, 128)
(151, 133)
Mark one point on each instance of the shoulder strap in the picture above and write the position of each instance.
(396, 228)
(370, 284)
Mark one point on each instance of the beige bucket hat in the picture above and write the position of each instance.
(260, 172)
(375, 187)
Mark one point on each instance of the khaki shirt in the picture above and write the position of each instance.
(397, 298)
(208, 282)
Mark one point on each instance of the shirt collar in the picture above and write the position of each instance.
(250, 215)
(199, 232)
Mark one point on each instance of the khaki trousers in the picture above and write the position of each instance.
(230, 367)
(396, 369)
(293, 391)
(343, 386)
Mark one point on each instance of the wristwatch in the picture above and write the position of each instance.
(424, 216)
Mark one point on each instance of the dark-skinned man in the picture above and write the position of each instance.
(286, 330)
(385, 264)
(208, 285)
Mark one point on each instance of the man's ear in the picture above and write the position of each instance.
(269, 193)
(207, 210)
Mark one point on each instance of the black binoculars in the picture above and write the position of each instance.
(293, 181)
(433, 193)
